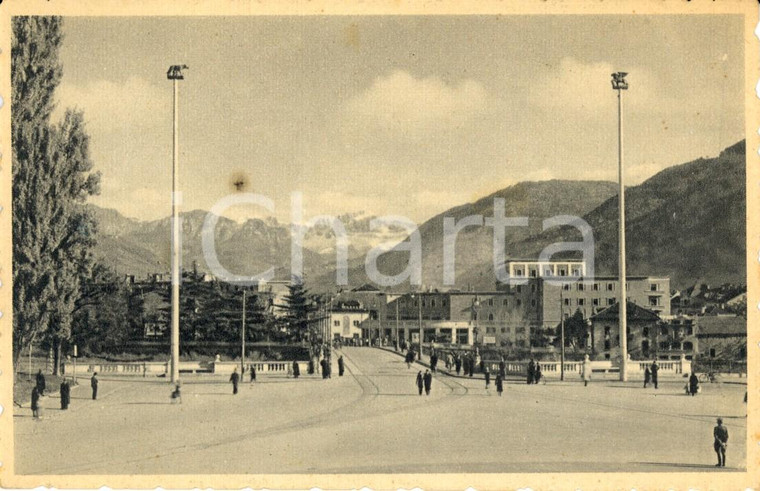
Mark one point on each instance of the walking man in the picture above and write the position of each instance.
(65, 392)
(419, 382)
(253, 372)
(720, 434)
(537, 373)
(647, 376)
(693, 384)
(296, 369)
(433, 360)
(458, 364)
(40, 380)
(655, 369)
(341, 366)
(487, 374)
(499, 384)
(234, 378)
(428, 380)
(35, 403)
(502, 368)
(94, 385)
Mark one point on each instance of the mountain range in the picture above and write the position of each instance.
(686, 222)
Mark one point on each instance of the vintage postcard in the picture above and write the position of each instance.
(443, 245)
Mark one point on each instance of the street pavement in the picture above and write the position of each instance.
(372, 420)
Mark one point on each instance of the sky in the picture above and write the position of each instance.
(393, 115)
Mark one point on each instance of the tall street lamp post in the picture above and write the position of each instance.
(562, 335)
(619, 84)
(175, 75)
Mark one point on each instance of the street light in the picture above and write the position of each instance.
(619, 84)
(419, 304)
(175, 75)
(562, 335)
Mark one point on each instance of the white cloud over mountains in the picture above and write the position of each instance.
(401, 101)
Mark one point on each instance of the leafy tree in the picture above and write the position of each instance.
(575, 331)
(52, 233)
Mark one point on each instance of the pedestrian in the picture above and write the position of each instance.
(252, 369)
(537, 373)
(94, 385)
(647, 376)
(466, 365)
(35, 403)
(720, 434)
(531, 371)
(693, 384)
(428, 379)
(487, 374)
(586, 370)
(234, 378)
(296, 369)
(419, 382)
(655, 369)
(449, 361)
(40, 380)
(341, 366)
(310, 370)
(502, 368)
(499, 384)
(458, 364)
(65, 392)
(433, 360)
(323, 364)
(472, 365)
(176, 394)
(328, 367)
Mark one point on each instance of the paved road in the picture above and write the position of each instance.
(372, 421)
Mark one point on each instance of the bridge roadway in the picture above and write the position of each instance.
(371, 420)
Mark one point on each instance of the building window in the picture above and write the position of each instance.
(580, 287)
(610, 287)
(432, 302)
(712, 352)
(533, 273)
(533, 288)
(356, 323)
(490, 302)
(581, 301)
(688, 346)
(566, 301)
(645, 332)
(519, 302)
(424, 303)
(566, 286)
(519, 289)
(595, 302)
(518, 272)
(533, 302)
(654, 301)
(562, 272)
(689, 331)
(443, 302)
(416, 303)
(653, 287)
(505, 302)
(490, 317)
(503, 330)
(596, 287)
(664, 331)
(336, 323)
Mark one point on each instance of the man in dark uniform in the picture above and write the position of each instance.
(487, 374)
(433, 360)
(234, 378)
(94, 385)
(502, 368)
(654, 369)
(428, 380)
(65, 392)
(647, 376)
(323, 365)
(419, 382)
(296, 370)
(537, 373)
(720, 434)
(341, 366)
(458, 364)
(40, 379)
(253, 373)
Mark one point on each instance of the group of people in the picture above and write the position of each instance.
(533, 372)
(650, 374)
(64, 391)
(424, 380)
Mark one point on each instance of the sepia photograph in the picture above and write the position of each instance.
(380, 243)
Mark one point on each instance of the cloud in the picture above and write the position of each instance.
(584, 88)
(110, 107)
(401, 101)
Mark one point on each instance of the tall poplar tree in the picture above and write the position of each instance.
(52, 232)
